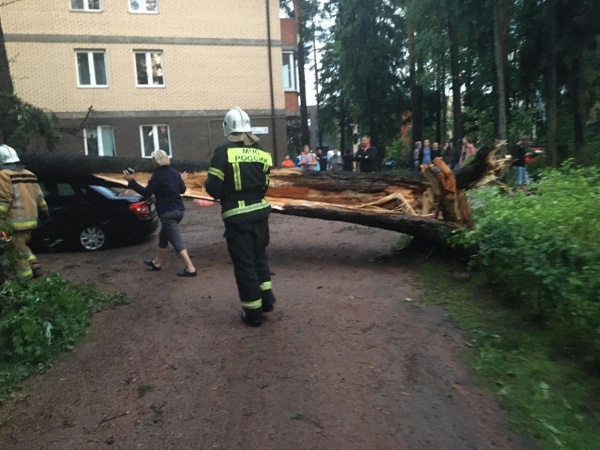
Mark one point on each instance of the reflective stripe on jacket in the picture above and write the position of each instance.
(20, 198)
(239, 177)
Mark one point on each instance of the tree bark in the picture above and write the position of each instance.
(444, 102)
(6, 84)
(455, 72)
(551, 83)
(305, 132)
(7, 126)
(420, 227)
(56, 167)
(438, 116)
(65, 167)
(499, 14)
(392, 202)
(579, 114)
(415, 101)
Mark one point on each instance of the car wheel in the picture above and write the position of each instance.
(92, 239)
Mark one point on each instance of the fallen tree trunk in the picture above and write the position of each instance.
(61, 167)
(424, 228)
(407, 204)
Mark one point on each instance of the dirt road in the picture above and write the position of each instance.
(342, 363)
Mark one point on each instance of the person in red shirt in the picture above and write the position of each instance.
(287, 162)
(468, 150)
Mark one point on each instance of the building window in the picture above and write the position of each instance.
(155, 137)
(85, 5)
(91, 68)
(149, 69)
(289, 71)
(143, 6)
(99, 141)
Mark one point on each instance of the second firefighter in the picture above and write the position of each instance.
(239, 177)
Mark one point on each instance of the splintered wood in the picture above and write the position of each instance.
(294, 187)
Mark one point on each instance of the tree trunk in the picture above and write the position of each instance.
(6, 84)
(346, 185)
(443, 101)
(579, 115)
(65, 167)
(386, 201)
(342, 128)
(415, 101)
(499, 57)
(305, 132)
(455, 72)
(420, 227)
(7, 126)
(551, 83)
(438, 116)
(374, 130)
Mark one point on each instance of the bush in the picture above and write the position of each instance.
(546, 249)
(398, 151)
(40, 318)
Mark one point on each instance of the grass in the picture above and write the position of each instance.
(39, 320)
(548, 392)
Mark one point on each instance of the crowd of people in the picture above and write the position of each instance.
(367, 156)
(333, 160)
(424, 153)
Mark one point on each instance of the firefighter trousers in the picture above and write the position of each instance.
(247, 243)
(26, 261)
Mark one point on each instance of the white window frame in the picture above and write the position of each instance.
(100, 143)
(90, 56)
(144, 11)
(148, 54)
(155, 138)
(291, 57)
(86, 7)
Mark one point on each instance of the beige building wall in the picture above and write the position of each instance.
(215, 56)
(197, 77)
(222, 19)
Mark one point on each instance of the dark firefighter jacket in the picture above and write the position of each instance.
(239, 177)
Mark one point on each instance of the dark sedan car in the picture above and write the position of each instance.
(91, 217)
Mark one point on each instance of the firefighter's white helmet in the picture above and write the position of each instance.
(8, 155)
(236, 121)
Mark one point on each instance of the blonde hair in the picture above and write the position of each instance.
(160, 157)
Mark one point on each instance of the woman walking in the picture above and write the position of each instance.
(167, 186)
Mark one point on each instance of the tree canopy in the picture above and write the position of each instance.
(487, 69)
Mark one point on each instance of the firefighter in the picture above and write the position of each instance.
(239, 177)
(21, 199)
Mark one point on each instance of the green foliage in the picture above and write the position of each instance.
(8, 256)
(546, 249)
(361, 68)
(399, 151)
(548, 395)
(22, 122)
(40, 318)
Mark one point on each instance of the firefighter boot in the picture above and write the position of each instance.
(268, 301)
(252, 317)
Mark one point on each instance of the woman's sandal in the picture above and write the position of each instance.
(185, 273)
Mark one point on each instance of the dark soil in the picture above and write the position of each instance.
(344, 362)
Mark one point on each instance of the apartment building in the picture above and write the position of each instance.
(125, 77)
